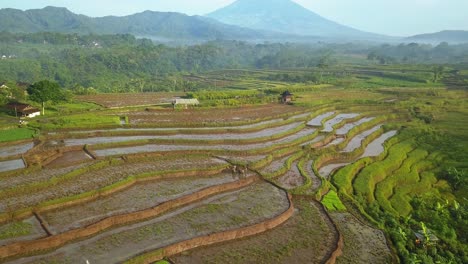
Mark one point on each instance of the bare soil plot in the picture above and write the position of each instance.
(71, 157)
(328, 126)
(28, 229)
(102, 178)
(305, 238)
(186, 129)
(229, 136)
(291, 179)
(138, 197)
(219, 213)
(318, 120)
(342, 131)
(166, 148)
(35, 176)
(209, 116)
(11, 165)
(355, 142)
(129, 99)
(362, 244)
(376, 147)
(8, 151)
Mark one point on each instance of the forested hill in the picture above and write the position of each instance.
(148, 24)
(451, 36)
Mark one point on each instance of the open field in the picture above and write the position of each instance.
(123, 100)
(346, 174)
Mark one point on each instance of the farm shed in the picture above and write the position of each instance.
(286, 97)
(23, 110)
(185, 102)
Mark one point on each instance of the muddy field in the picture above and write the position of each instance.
(132, 99)
(72, 157)
(356, 141)
(100, 178)
(138, 197)
(227, 136)
(342, 131)
(376, 147)
(219, 213)
(206, 116)
(317, 122)
(15, 150)
(291, 179)
(224, 147)
(10, 165)
(28, 229)
(308, 237)
(328, 126)
(305, 238)
(326, 171)
(362, 244)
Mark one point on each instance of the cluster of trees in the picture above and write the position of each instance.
(40, 92)
(114, 63)
(419, 53)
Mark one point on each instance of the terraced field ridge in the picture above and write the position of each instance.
(144, 193)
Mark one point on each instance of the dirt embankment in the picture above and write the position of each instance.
(30, 247)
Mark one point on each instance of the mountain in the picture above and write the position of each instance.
(149, 24)
(451, 36)
(287, 17)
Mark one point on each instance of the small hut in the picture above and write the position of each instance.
(23, 110)
(185, 103)
(286, 97)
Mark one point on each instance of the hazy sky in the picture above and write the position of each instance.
(392, 17)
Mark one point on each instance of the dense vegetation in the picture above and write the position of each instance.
(419, 184)
(125, 63)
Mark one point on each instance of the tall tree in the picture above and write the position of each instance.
(45, 91)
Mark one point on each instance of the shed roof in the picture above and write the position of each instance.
(186, 102)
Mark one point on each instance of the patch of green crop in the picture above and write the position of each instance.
(332, 202)
(16, 134)
(15, 229)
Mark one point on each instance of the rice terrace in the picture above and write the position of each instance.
(258, 133)
(343, 176)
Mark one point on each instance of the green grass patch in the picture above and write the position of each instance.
(15, 229)
(16, 134)
(332, 202)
